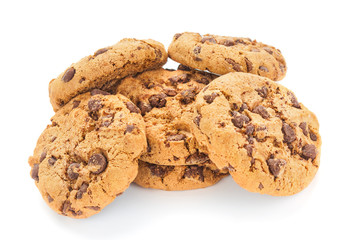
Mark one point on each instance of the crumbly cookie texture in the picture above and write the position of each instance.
(105, 67)
(221, 55)
(88, 155)
(258, 130)
(166, 98)
(178, 178)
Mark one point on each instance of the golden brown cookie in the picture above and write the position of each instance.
(178, 178)
(259, 131)
(165, 98)
(88, 155)
(105, 67)
(221, 55)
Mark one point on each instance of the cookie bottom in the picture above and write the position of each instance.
(178, 178)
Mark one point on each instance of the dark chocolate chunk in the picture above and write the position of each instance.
(228, 43)
(197, 158)
(99, 161)
(159, 171)
(72, 172)
(144, 107)
(197, 50)
(170, 92)
(235, 65)
(83, 188)
(98, 91)
(294, 101)
(209, 98)
(42, 156)
(68, 75)
(50, 199)
(177, 35)
(52, 160)
(261, 111)
(249, 65)
(132, 108)
(239, 119)
(197, 120)
(100, 51)
(94, 104)
(303, 126)
(182, 78)
(313, 136)
(275, 166)
(263, 68)
(309, 151)
(263, 91)
(158, 100)
(76, 103)
(250, 129)
(184, 67)
(269, 50)
(188, 95)
(129, 129)
(289, 134)
(35, 172)
(208, 39)
(194, 172)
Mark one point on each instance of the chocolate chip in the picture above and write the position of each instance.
(208, 39)
(249, 149)
(82, 80)
(132, 108)
(289, 134)
(276, 166)
(263, 68)
(261, 111)
(66, 207)
(52, 161)
(197, 50)
(250, 129)
(159, 171)
(193, 172)
(177, 35)
(99, 161)
(76, 103)
(158, 53)
(83, 188)
(176, 137)
(68, 75)
(184, 67)
(313, 136)
(182, 78)
(50, 199)
(158, 100)
(42, 156)
(98, 92)
(239, 119)
(228, 43)
(129, 129)
(170, 92)
(209, 98)
(100, 51)
(95, 208)
(198, 59)
(294, 100)
(269, 50)
(197, 158)
(197, 119)
(260, 186)
(35, 172)
(94, 105)
(53, 138)
(72, 174)
(303, 126)
(309, 151)
(187, 96)
(263, 91)
(248, 64)
(203, 80)
(144, 107)
(235, 65)
(243, 107)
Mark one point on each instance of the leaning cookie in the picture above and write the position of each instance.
(88, 155)
(221, 55)
(165, 98)
(178, 178)
(105, 67)
(258, 130)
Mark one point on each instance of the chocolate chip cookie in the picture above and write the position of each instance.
(221, 55)
(105, 67)
(165, 99)
(88, 154)
(258, 130)
(177, 178)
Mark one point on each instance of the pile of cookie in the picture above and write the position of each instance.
(121, 118)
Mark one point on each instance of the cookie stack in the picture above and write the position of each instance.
(121, 118)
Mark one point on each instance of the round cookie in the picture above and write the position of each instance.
(165, 98)
(221, 55)
(178, 178)
(105, 67)
(259, 131)
(88, 155)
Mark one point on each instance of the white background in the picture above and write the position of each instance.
(321, 43)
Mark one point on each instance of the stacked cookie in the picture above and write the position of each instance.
(120, 118)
